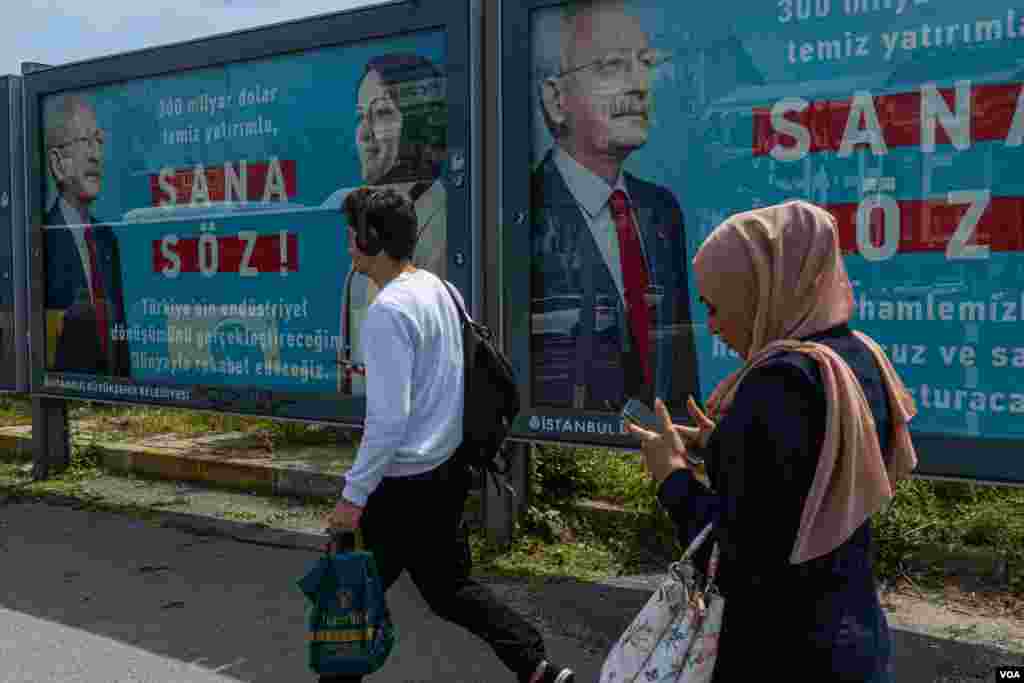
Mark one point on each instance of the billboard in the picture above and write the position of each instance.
(904, 118)
(187, 202)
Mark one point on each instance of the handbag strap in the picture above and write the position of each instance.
(712, 569)
(694, 546)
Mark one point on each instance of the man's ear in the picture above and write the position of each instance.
(60, 166)
(552, 96)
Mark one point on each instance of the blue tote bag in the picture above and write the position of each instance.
(349, 627)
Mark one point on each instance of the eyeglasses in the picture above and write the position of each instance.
(712, 311)
(382, 117)
(97, 139)
(614, 65)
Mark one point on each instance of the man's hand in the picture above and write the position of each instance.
(345, 515)
(664, 451)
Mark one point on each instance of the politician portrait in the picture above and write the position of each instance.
(84, 294)
(400, 132)
(610, 304)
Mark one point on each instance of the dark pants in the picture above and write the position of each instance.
(415, 524)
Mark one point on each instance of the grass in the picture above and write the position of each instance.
(958, 517)
(955, 517)
(556, 538)
(14, 411)
(118, 422)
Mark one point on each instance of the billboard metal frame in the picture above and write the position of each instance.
(458, 19)
(12, 206)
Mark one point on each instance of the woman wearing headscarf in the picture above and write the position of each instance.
(801, 445)
(401, 130)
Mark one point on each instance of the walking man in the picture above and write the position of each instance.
(404, 491)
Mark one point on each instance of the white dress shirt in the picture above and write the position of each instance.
(592, 193)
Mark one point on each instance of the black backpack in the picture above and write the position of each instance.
(491, 399)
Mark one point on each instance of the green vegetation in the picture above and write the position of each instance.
(116, 422)
(958, 518)
(14, 411)
(557, 537)
(560, 537)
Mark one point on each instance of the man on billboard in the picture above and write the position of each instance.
(84, 297)
(608, 243)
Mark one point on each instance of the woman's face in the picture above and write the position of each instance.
(732, 333)
(378, 128)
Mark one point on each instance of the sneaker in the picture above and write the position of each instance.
(550, 673)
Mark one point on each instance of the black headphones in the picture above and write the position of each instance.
(368, 238)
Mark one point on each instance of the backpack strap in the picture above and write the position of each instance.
(492, 470)
(462, 311)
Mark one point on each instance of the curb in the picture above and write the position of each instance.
(200, 525)
(172, 464)
(261, 476)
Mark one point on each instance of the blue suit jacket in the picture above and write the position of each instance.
(78, 346)
(603, 361)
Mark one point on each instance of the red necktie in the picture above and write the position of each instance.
(634, 277)
(99, 297)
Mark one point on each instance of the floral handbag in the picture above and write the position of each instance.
(675, 636)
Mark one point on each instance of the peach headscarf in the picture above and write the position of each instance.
(779, 273)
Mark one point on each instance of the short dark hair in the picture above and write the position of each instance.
(388, 214)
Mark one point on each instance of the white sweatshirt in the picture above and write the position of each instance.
(412, 348)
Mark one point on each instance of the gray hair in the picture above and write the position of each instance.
(548, 64)
(58, 112)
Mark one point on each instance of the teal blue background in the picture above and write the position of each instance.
(322, 257)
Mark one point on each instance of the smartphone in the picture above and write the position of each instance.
(639, 414)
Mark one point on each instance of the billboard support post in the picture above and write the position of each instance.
(51, 447)
(501, 508)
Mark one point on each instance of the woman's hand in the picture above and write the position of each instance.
(664, 452)
(696, 437)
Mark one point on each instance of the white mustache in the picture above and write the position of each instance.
(627, 106)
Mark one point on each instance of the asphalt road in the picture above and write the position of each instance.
(94, 597)
(100, 597)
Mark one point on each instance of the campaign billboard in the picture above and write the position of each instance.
(903, 117)
(187, 205)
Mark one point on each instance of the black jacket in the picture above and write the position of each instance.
(78, 348)
(820, 619)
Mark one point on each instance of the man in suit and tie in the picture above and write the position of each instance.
(600, 234)
(84, 295)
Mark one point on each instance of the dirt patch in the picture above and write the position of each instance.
(988, 616)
